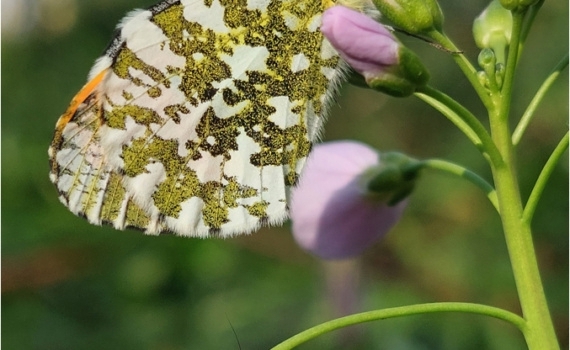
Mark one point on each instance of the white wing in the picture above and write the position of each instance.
(202, 119)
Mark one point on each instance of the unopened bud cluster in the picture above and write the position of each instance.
(492, 31)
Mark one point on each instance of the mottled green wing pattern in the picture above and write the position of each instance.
(199, 117)
(87, 185)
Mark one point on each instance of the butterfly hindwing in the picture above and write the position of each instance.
(87, 185)
(202, 119)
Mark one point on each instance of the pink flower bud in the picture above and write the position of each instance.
(334, 215)
(373, 52)
(366, 45)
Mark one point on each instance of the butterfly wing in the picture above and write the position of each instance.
(201, 119)
(87, 185)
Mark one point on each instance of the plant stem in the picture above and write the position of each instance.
(326, 327)
(512, 60)
(539, 333)
(531, 14)
(465, 173)
(463, 119)
(529, 113)
(468, 70)
(451, 115)
(543, 179)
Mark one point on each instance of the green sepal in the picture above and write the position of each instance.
(517, 5)
(394, 179)
(413, 16)
(356, 79)
(403, 79)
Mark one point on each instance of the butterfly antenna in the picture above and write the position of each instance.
(235, 333)
(436, 45)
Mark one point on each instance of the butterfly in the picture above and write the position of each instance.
(198, 117)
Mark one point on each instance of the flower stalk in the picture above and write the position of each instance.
(544, 88)
(543, 179)
(394, 312)
(497, 144)
(539, 333)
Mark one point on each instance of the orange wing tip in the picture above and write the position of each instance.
(80, 97)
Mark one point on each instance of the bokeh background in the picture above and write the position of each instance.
(69, 285)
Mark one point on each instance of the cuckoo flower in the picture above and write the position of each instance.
(373, 52)
(347, 199)
(366, 45)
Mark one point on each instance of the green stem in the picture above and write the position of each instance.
(543, 179)
(529, 113)
(463, 119)
(531, 14)
(539, 333)
(323, 328)
(512, 60)
(452, 116)
(464, 173)
(468, 70)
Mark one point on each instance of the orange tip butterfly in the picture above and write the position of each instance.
(198, 118)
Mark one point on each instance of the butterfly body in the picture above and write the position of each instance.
(198, 118)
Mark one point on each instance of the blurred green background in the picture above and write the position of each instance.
(69, 285)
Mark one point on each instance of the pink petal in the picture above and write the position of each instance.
(366, 45)
(332, 215)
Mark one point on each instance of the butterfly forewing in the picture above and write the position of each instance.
(202, 118)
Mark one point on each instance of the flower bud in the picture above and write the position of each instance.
(403, 79)
(492, 29)
(483, 78)
(413, 16)
(488, 62)
(373, 52)
(517, 5)
(394, 178)
(500, 74)
(366, 45)
(335, 213)
(486, 58)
